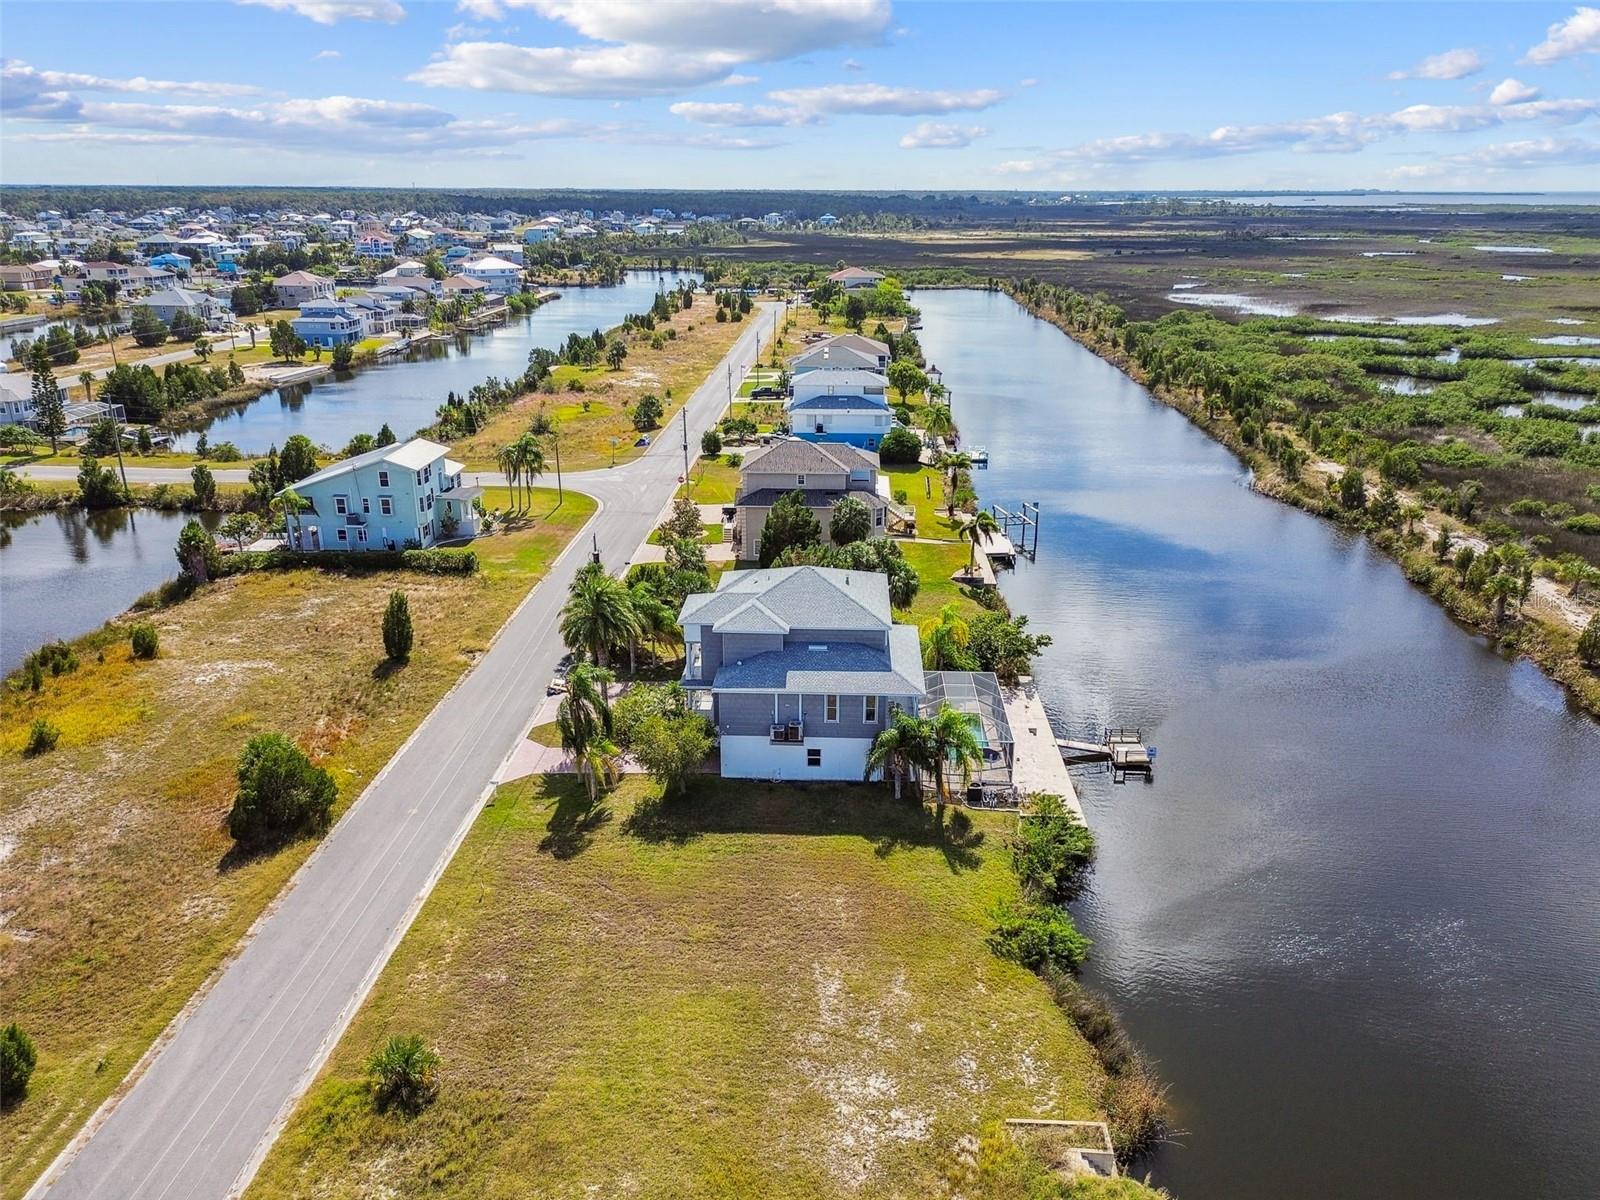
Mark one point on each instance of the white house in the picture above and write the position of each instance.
(497, 274)
(803, 667)
(812, 384)
(855, 278)
(403, 495)
(16, 398)
(375, 245)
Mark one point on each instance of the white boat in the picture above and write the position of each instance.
(979, 455)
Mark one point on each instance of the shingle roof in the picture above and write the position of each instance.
(819, 498)
(804, 597)
(841, 404)
(800, 456)
(848, 668)
(300, 279)
(412, 455)
(827, 355)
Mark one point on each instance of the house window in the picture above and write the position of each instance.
(869, 709)
(877, 517)
(694, 660)
(799, 481)
(341, 505)
(344, 535)
(830, 708)
(386, 506)
(383, 479)
(419, 476)
(422, 504)
(813, 757)
(361, 535)
(366, 505)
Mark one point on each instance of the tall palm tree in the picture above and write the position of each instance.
(292, 504)
(953, 464)
(658, 623)
(87, 379)
(976, 528)
(937, 421)
(510, 464)
(944, 640)
(905, 746)
(1499, 590)
(530, 456)
(584, 719)
(955, 748)
(598, 615)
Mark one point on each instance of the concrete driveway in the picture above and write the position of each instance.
(214, 1092)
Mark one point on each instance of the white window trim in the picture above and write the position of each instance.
(813, 756)
(869, 710)
(386, 505)
(383, 479)
(341, 505)
(830, 703)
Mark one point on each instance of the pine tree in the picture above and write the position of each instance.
(50, 411)
(397, 628)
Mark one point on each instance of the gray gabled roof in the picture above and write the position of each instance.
(817, 498)
(841, 404)
(412, 455)
(821, 598)
(802, 457)
(843, 668)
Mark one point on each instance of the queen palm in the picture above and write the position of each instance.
(598, 615)
(976, 529)
(905, 746)
(510, 464)
(292, 504)
(944, 641)
(584, 719)
(954, 742)
(530, 456)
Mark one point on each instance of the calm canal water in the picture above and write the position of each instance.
(67, 571)
(1356, 917)
(333, 409)
(62, 574)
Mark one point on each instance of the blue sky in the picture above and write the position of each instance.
(830, 94)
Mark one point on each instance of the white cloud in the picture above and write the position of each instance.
(942, 135)
(877, 98)
(851, 64)
(1512, 91)
(1451, 64)
(330, 12)
(1533, 152)
(320, 54)
(484, 10)
(741, 114)
(1578, 34)
(644, 48)
(1336, 132)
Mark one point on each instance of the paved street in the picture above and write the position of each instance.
(206, 1108)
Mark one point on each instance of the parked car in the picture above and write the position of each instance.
(558, 682)
(644, 440)
(764, 393)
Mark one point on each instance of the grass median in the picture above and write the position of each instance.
(122, 891)
(758, 990)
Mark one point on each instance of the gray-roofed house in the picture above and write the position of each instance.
(297, 287)
(207, 309)
(802, 667)
(844, 352)
(825, 472)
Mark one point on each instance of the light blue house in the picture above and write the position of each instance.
(855, 420)
(328, 323)
(539, 233)
(179, 263)
(385, 499)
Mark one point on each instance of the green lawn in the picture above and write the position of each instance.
(712, 481)
(935, 563)
(759, 991)
(924, 488)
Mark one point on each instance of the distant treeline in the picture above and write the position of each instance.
(27, 199)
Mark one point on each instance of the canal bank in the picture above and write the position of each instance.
(1355, 907)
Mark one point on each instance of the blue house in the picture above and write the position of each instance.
(855, 420)
(329, 323)
(179, 263)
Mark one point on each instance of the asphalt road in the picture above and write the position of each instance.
(210, 1101)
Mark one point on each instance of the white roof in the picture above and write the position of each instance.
(412, 455)
(490, 263)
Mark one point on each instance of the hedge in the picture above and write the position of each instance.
(428, 562)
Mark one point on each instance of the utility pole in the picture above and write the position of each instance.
(561, 496)
(684, 413)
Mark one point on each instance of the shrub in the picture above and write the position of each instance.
(733, 460)
(428, 562)
(99, 486)
(17, 1058)
(197, 552)
(1589, 642)
(403, 1074)
(1584, 523)
(226, 452)
(42, 738)
(1037, 936)
(397, 628)
(145, 642)
(205, 485)
(281, 793)
(642, 701)
(56, 657)
(710, 443)
(1052, 850)
(899, 445)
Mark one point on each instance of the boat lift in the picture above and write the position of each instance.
(1020, 528)
(1124, 749)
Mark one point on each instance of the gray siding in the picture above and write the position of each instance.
(867, 637)
(751, 715)
(849, 724)
(736, 647)
(752, 481)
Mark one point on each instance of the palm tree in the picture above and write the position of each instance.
(1499, 589)
(87, 379)
(530, 458)
(944, 640)
(976, 529)
(905, 746)
(953, 464)
(937, 422)
(598, 615)
(510, 464)
(955, 747)
(584, 719)
(292, 504)
(658, 623)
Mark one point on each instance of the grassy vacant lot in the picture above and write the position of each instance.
(589, 419)
(121, 891)
(757, 991)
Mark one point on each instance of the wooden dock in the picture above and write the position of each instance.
(1124, 749)
(1036, 762)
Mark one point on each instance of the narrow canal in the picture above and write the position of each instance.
(64, 573)
(1355, 920)
(405, 391)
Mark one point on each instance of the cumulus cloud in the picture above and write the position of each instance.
(1512, 91)
(1578, 34)
(878, 98)
(1451, 64)
(643, 48)
(1334, 133)
(742, 114)
(327, 54)
(942, 135)
(330, 12)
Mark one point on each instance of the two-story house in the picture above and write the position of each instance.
(499, 275)
(845, 352)
(824, 472)
(385, 499)
(869, 384)
(297, 287)
(328, 323)
(848, 417)
(803, 667)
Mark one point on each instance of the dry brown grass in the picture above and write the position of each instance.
(121, 892)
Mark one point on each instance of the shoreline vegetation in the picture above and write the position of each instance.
(125, 892)
(1303, 474)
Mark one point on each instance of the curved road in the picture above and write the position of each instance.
(217, 1087)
